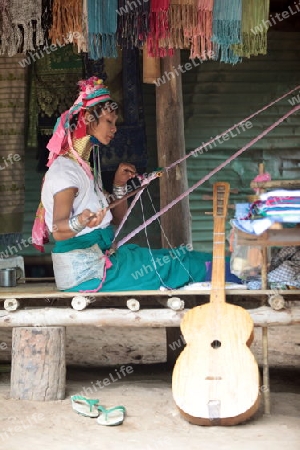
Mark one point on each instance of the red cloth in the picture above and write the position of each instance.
(158, 28)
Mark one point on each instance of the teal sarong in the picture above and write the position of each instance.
(136, 268)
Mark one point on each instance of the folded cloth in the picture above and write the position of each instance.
(253, 226)
(280, 193)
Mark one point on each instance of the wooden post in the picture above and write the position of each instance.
(264, 285)
(171, 147)
(38, 370)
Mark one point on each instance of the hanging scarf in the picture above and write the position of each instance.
(102, 28)
(22, 28)
(254, 32)
(6, 33)
(182, 22)
(67, 17)
(227, 21)
(159, 30)
(201, 45)
(92, 92)
(133, 23)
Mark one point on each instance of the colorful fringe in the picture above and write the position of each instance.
(255, 26)
(201, 43)
(67, 22)
(182, 22)
(133, 23)
(227, 21)
(159, 29)
(102, 28)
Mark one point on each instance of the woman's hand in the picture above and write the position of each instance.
(124, 173)
(91, 219)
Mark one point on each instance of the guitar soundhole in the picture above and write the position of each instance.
(216, 344)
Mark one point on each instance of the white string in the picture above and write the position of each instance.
(166, 238)
(150, 251)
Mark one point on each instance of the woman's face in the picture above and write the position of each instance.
(106, 128)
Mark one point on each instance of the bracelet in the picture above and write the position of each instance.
(75, 225)
(119, 191)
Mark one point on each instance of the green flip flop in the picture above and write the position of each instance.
(85, 406)
(112, 416)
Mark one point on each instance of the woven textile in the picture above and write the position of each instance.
(227, 20)
(255, 26)
(102, 28)
(67, 23)
(159, 30)
(133, 23)
(21, 26)
(201, 43)
(52, 91)
(182, 22)
(12, 124)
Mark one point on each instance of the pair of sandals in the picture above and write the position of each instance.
(91, 408)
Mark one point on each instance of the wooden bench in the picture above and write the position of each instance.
(38, 314)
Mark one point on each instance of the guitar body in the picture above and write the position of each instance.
(216, 378)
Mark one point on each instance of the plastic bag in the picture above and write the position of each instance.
(245, 260)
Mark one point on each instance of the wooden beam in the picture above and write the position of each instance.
(111, 317)
(276, 184)
(171, 147)
(278, 238)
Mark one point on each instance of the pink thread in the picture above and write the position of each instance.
(261, 178)
(209, 175)
(108, 264)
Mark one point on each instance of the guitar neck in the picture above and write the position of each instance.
(220, 200)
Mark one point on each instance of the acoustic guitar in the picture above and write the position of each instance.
(215, 379)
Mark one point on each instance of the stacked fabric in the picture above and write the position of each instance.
(280, 205)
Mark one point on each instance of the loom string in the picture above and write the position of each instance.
(229, 129)
(167, 240)
(206, 177)
(151, 253)
(144, 184)
(197, 150)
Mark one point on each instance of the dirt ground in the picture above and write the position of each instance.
(152, 421)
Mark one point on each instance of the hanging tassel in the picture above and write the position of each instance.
(254, 33)
(227, 20)
(133, 23)
(159, 29)
(202, 46)
(17, 19)
(67, 22)
(5, 28)
(102, 28)
(182, 22)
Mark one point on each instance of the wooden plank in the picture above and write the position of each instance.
(49, 290)
(271, 238)
(115, 317)
(276, 184)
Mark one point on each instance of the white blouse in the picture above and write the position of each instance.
(65, 173)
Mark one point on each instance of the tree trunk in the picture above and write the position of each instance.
(38, 370)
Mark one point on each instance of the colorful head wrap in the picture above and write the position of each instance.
(92, 92)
